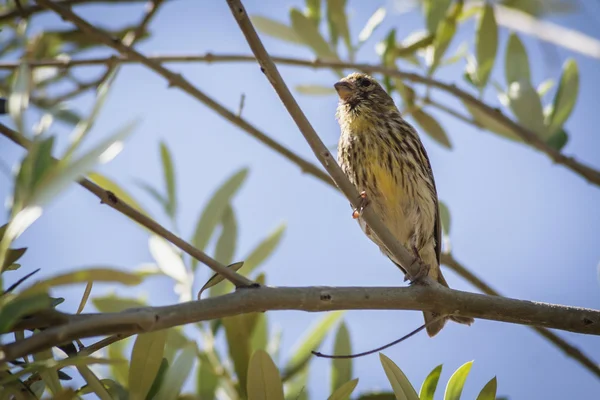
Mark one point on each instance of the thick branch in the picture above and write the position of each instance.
(566, 347)
(525, 134)
(313, 299)
(177, 80)
(109, 198)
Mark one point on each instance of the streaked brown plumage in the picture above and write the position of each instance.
(383, 156)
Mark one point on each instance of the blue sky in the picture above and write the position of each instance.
(525, 225)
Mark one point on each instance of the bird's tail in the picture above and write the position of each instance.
(433, 326)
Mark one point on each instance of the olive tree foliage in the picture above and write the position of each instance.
(178, 363)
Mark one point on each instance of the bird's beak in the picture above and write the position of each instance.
(344, 89)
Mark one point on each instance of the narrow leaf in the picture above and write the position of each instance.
(238, 331)
(275, 29)
(516, 63)
(490, 123)
(264, 382)
(310, 36)
(110, 185)
(313, 11)
(336, 14)
(526, 105)
(432, 128)
(457, 382)
(344, 391)
(445, 217)
(400, 384)
(169, 176)
(94, 383)
(435, 12)
(372, 24)
(20, 306)
(216, 278)
(168, 259)
(489, 390)
(566, 96)
(341, 369)
(430, 384)
(264, 249)
(178, 373)
(486, 44)
(227, 242)
(146, 358)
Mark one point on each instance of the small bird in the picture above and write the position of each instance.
(384, 158)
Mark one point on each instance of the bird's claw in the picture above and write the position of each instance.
(423, 271)
(363, 202)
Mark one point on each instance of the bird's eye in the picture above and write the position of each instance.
(364, 82)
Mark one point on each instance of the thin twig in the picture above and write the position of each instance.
(313, 299)
(406, 259)
(566, 347)
(177, 80)
(525, 134)
(110, 199)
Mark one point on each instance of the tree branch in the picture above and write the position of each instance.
(109, 198)
(525, 134)
(312, 299)
(177, 80)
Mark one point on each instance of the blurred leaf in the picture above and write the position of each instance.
(486, 44)
(387, 50)
(112, 303)
(116, 351)
(310, 341)
(377, 396)
(336, 16)
(213, 212)
(372, 24)
(154, 193)
(516, 62)
(296, 388)
(432, 128)
(216, 278)
(239, 330)
(178, 373)
(489, 123)
(315, 90)
(110, 185)
(457, 382)
(445, 217)
(18, 100)
(540, 8)
(310, 36)
(443, 38)
(544, 87)
(313, 11)
(461, 52)
(84, 276)
(344, 391)
(430, 383)
(49, 374)
(566, 96)
(146, 358)
(227, 242)
(12, 255)
(168, 259)
(489, 391)
(94, 383)
(264, 249)
(207, 380)
(400, 384)
(158, 380)
(21, 306)
(341, 368)
(417, 40)
(435, 12)
(526, 105)
(176, 340)
(558, 140)
(264, 382)
(169, 174)
(260, 336)
(275, 29)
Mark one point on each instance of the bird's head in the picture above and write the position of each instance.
(360, 91)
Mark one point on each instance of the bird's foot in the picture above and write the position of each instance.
(363, 202)
(423, 271)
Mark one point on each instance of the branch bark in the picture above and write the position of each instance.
(312, 299)
(109, 198)
(590, 174)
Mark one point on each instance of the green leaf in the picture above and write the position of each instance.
(146, 358)
(310, 36)
(445, 217)
(168, 259)
(94, 383)
(216, 278)
(432, 128)
(154, 193)
(310, 341)
(49, 374)
(315, 90)
(377, 396)
(107, 184)
(372, 24)
(457, 382)
(490, 123)
(566, 96)
(227, 242)
(264, 249)
(238, 330)
(114, 304)
(207, 380)
(400, 384)
(119, 370)
(489, 391)
(443, 38)
(313, 11)
(12, 255)
(275, 29)
(516, 63)
(486, 44)
(158, 380)
(430, 384)
(435, 12)
(21, 306)
(341, 369)
(344, 391)
(544, 87)
(558, 140)
(18, 100)
(176, 340)
(213, 212)
(264, 382)
(336, 16)
(84, 276)
(169, 174)
(178, 373)
(260, 336)
(526, 105)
